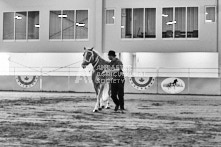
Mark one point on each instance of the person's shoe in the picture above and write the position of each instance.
(116, 108)
(121, 111)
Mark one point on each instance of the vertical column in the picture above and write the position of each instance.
(128, 62)
(99, 10)
(219, 36)
(44, 25)
(3, 6)
(219, 30)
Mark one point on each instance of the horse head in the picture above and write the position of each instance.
(88, 57)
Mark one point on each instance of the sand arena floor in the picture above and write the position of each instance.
(66, 119)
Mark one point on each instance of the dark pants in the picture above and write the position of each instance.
(117, 92)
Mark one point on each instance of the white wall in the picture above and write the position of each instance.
(219, 31)
(50, 64)
(207, 41)
(112, 33)
(44, 44)
(177, 60)
(178, 64)
(46, 59)
(4, 64)
(111, 39)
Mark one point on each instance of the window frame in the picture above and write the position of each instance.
(9, 40)
(144, 23)
(86, 39)
(133, 22)
(206, 14)
(26, 39)
(172, 38)
(156, 23)
(62, 26)
(26, 27)
(186, 38)
(131, 25)
(49, 26)
(38, 28)
(113, 16)
(199, 16)
(75, 19)
(185, 23)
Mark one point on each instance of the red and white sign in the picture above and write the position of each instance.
(26, 81)
(142, 83)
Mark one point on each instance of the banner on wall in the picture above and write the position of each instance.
(142, 83)
(26, 81)
(173, 85)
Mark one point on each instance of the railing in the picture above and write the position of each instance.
(163, 72)
(136, 72)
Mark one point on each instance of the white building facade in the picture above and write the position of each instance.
(162, 38)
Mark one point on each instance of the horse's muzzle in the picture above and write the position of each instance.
(83, 66)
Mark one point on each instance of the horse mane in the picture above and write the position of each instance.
(98, 54)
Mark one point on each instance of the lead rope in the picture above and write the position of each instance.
(46, 73)
(63, 67)
(31, 68)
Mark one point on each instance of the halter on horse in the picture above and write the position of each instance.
(100, 83)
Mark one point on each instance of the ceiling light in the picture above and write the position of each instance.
(209, 20)
(80, 24)
(164, 15)
(18, 17)
(37, 26)
(171, 22)
(64, 15)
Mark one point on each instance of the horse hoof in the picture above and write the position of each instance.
(95, 111)
(108, 107)
(102, 107)
(99, 109)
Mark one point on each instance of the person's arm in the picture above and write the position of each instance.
(115, 70)
(118, 68)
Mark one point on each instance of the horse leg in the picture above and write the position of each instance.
(105, 96)
(109, 95)
(100, 94)
(107, 105)
(99, 88)
(96, 87)
(96, 108)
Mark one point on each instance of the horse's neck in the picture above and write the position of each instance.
(101, 62)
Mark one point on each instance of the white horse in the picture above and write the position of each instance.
(101, 84)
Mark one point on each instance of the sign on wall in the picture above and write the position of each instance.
(141, 83)
(173, 85)
(26, 81)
